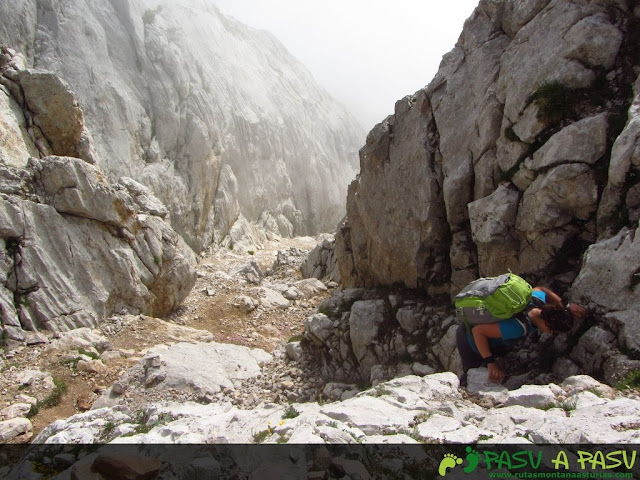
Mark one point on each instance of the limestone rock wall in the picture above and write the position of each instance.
(175, 91)
(518, 155)
(74, 248)
(522, 155)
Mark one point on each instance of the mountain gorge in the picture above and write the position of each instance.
(217, 118)
(135, 135)
(207, 128)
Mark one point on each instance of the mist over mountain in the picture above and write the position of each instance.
(217, 118)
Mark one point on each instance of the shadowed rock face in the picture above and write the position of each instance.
(173, 93)
(518, 155)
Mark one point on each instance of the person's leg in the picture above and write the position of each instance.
(470, 358)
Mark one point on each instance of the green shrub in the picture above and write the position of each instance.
(554, 100)
(263, 435)
(53, 399)
(632, 380)
(86, 353)
(296, 338)
(33, 411)
(291, 412)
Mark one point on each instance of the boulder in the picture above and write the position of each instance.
(56, 113)
(200, 369)
(533, 396)
(16, 430)
(116, 258)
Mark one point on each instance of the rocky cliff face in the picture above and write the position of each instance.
(218, 119)
(74, 248)
(521, 154)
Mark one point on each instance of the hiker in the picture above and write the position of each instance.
(545, 313)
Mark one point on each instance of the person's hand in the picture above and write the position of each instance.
(495, 374)
(577, 311)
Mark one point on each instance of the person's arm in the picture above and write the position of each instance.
(554, 299)
(481, 335)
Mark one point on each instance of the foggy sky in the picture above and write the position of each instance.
(367, 53)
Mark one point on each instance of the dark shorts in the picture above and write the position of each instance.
(470, 358)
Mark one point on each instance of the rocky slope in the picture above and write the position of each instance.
(216, 118)
(520, 154)
(241, 307)
(197, 378)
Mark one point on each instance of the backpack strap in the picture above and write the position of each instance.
(523, 316)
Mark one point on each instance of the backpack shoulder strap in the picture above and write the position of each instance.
(523, 316)
(535, 302)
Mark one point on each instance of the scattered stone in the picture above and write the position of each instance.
(15, 430)
(245, 303)
(91, 366)
(16, 410)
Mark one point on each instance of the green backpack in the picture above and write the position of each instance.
(492, 299)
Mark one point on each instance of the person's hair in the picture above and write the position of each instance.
(558, 319)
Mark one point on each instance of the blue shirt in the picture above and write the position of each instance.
(510, 329)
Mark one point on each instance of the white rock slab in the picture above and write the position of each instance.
(533, 396)
(371, 415)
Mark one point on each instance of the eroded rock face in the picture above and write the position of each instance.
(522, 155)
(498, 163)
(169, 105)
(76, 249)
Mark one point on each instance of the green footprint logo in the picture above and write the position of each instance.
(473, 459)
(449, 461)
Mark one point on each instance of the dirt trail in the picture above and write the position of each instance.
(213, 306)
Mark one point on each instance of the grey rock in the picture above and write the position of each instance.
(532, 396)
(607, 279)
(624, 161)
(218, 366)
(318, 328)
(364, 326)
(56, 112)
(582, 142)
(294, 351)
(17, 410)
(594, 40)
(321, 262)
(493, 220)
